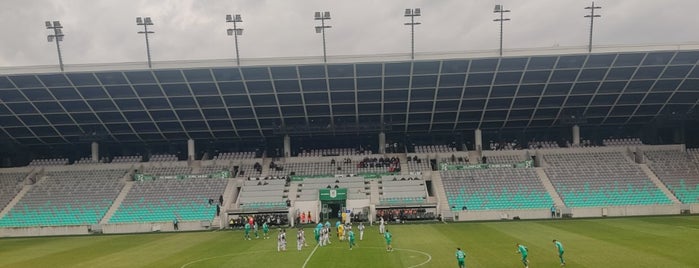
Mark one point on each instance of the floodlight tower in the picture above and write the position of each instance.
(235, 32)
(412, 13)
(322, 16)
(592, 17)
(58, 36)
(500, 9)
(145, 22)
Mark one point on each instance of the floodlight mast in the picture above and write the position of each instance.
(592, 17)
(145, 22)
(235, 32)
(322, 16)
(500, 9)
(58, 36)
(412, 13)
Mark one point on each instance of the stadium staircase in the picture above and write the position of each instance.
(265, 165)
(117, 202)
(441, 194)
(39, 173)
(549, 187)
(374, 188)
(659, 183)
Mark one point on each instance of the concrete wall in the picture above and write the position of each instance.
(44, 231)
(474, 215)
(304, 206)
(152, 227)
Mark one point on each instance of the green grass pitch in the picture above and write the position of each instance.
(615, 242)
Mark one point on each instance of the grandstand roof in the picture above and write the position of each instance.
(267, 97)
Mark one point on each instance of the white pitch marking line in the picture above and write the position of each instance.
(309, 256)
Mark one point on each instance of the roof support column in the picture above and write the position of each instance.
(190, 149)
(287, 146)
(478, 140)
(576, 135)
(382, 142)
(95, 151)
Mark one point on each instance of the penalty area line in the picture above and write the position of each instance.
(309, 256)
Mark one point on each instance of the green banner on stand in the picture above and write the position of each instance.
(524, 164)
(332, 194)
(224, 174)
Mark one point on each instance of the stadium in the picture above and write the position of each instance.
(163, 164)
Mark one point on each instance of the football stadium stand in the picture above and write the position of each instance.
(594, 179)
(678, 172)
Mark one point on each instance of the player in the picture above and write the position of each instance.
(461, 258)
(361, 231)
(265, 230)
(559, 247)
(521, 249)
(350, 238)
(387, 235)
(257, 232)
(281, 240)
(317, 235)
(382, 226)
(299, 239)
(303, 237)
(326, 236)
(247, 231)
(341, 232)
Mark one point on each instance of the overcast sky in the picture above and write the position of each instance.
(104, 31)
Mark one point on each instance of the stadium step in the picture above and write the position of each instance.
(117, 202)
(659, 183)
(549, 187)
(16, 199)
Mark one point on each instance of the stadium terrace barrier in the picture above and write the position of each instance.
(620, 211)
(154, 227)
(44, 231)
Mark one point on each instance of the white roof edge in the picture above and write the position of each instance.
(340, 59)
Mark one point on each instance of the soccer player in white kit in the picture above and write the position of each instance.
(382, 226)
(361, 231)
(299, 239)
(281, 241)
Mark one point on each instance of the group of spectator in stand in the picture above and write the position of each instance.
(403, 214)
(393, 163)
(272, 219)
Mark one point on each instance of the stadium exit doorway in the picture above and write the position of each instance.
(333, 201)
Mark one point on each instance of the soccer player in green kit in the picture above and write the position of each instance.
(387, 235)
(247, 231)
(559, 247)
(461, 258)
(350, 238)
(521, 249)
(265, 230)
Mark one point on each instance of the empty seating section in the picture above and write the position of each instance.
(594, 179)
(212, 169)
(333, 152)
(401, 191)
(49, 162)
(325, 168)
(10, 185)
(163, 200)
(67, 198)
(234, 156)
(308, 188)
(247, 170)
(416, 164)
(127, 159)
(167, 170)
(163, 158)
(434, 149)
(693, 154)
(262, 194)
(542, 145)
(622, 142)
(677, 171)
(504, 159)
(495, 189)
